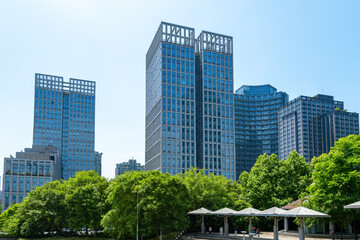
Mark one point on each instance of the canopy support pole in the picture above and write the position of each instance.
(301, 229)
(276, 228)
(226, 226)
(286, 224)
(202, 224)
(250, 224)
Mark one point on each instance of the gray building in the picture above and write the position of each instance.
(27, 170)
(187, 128)
(97, 162)
(256, 123)
(131, 165)
(64, 117)
(311, 125)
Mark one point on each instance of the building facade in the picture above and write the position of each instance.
(97, 162)
(64, 117)
(131, 165)
(305, 125)
(29, 169)
(256, 123)
(179, 134)
(215, 133)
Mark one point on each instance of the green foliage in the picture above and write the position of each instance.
(85, 198)
(9, 220)
(336, 180)
(43, 210)
(162, 204)
(273, 182)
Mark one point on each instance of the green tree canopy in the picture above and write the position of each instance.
(336, 180)
(273, 182)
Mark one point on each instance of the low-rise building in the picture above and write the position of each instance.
(27, 170)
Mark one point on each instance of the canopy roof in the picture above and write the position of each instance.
(303, 212)
(201, 211)
(353, 205)
(247, 212)
(224, 212)
(271, 212)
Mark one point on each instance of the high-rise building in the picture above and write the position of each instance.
(28, 170)
(334, 125)
(311, 125)
(187, 128)
(97, 162)
(256, 123)
(64, 117)
(131, 165)
(215, 133)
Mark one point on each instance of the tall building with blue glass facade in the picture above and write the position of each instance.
(215, 104)
(256, 123)
(64, 117)
(311, 125)
(189, 124)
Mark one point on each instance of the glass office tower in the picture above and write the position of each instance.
(256, 123)
(170, 100)
(306, 122)
(64, 117)
(215, 106)
(187, 128)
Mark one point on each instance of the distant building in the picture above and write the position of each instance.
(311, 125)
(64, 117)
(97, 162)
(131, 165)
(256, 123)
(29, 169)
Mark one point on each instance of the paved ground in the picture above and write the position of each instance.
(263, 236)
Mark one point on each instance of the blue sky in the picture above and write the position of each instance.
(300, 47)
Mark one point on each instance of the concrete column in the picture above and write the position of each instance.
(226, 226)
(250, 224)
(276, 228)
(202, 225)
(286, 224)
(301, 229)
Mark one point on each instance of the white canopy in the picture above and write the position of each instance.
(224, 212)
(247, 212)
(201, 211)
(353, 205)
(303, 212)
(271, 212)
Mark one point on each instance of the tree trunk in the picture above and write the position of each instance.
(86, 232)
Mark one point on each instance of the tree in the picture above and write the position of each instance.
(336, 181)
(9, 220)
(86, 200)
(273, 182)
(43, 210)
(162, 204)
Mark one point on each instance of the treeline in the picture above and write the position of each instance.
(93, 204)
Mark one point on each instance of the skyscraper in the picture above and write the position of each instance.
(311, 125)
(64, 117)
(215, 134)
(130, 165)
(97, 162)
(256, 123)
(187, 128)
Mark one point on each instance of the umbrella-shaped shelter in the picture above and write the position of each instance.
(353, 205)
(202, 212)
(249, 212)
(226, 212)
(301, 213)
(275, 213)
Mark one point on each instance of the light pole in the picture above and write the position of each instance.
(137, 215)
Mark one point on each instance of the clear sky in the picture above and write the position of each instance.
(302, 47)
